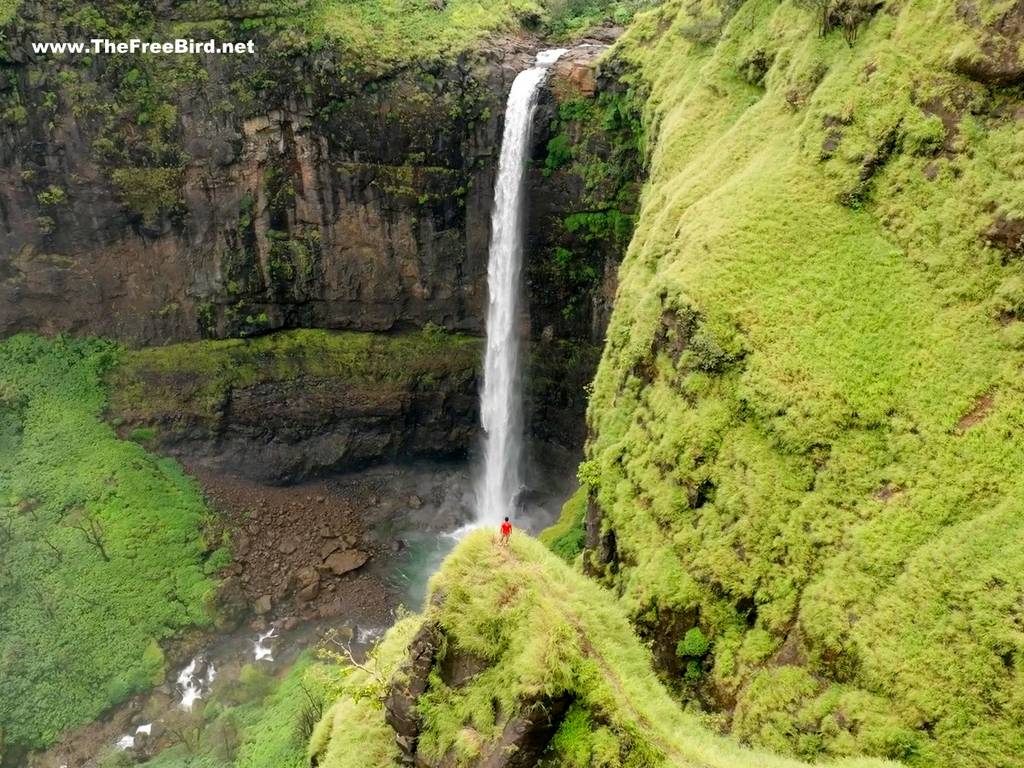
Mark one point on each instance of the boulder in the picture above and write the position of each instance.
(230, 603)
(287, 547)
(307, 584)
(345, 561)
(329, 547)
(263, 605)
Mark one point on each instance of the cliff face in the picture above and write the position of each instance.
(296, 404)
(159, 199)
(175, 198)
(804, 417)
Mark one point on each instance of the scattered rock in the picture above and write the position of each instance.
(263, 605)
(230, 603)
(287, 547)
(329, 547)
(415, 502)
(330, 610)
(345, 561)
(307, 582)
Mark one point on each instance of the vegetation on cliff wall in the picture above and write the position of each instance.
(103, 551)
(508, 634)
(191, 382)
(806, 426)
(386, 32)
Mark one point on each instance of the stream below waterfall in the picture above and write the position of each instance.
(419, 508)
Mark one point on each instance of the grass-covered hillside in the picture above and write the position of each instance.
(514, 632)
(103, 557)
(374, 33)
(807, 423)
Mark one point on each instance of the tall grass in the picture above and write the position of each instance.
(807, 421)
(103, 554)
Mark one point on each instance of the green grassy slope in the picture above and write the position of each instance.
(807, 421)
(544, 630)
(102, 555)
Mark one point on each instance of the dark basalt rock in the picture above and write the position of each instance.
(997, 60)
(408, 684)
(332, 197)
(285, 431)
(526, 735)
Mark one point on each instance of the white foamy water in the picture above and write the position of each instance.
(125, 742)
(262, 651)
(459, 533)
(144, 730)
(367, 635)
(192, 684)
(501, 402)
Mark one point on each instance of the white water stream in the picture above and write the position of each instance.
(501, 401)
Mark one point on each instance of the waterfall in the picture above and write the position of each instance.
(501, 401)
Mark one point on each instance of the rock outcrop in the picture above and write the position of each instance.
(295, 404)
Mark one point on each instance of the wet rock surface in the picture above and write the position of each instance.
(356, 202)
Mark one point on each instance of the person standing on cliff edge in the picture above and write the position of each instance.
(506, 532)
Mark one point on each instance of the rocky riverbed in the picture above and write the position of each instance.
(334, 556)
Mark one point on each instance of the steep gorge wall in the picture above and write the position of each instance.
(164, 199)
(805, 417)
(159, 199)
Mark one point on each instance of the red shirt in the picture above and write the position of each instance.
(506, 528)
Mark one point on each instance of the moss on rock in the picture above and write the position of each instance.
(806, 414)
(543, 633)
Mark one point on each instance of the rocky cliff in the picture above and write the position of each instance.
(553, 677)
(804, 419)
(296, 404)
(156, 199)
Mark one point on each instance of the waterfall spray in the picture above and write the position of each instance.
(501, 401)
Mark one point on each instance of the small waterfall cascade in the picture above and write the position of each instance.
(501, 401)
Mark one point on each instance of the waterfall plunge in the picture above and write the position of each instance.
(501, 402)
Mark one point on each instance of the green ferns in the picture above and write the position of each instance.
(103, 551)
(543, 630)
(806, 426)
